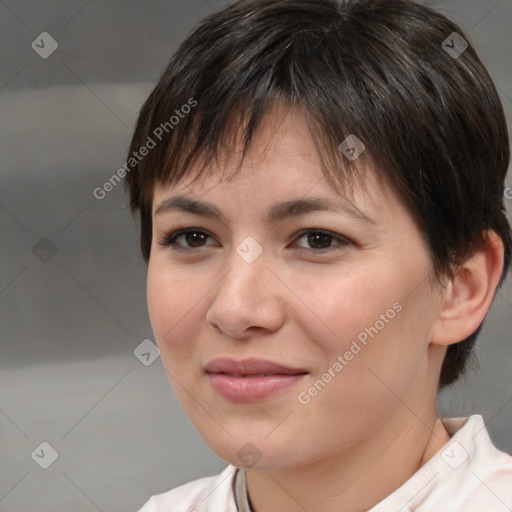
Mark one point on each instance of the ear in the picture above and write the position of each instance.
(468, 295)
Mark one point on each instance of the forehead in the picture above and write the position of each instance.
(282, 162)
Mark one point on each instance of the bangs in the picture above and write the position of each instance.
(217, 133)
(219, 146)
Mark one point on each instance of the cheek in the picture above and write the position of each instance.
(373, 322)
(340, 306)
(173, 302)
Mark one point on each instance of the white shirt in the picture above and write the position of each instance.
(469, 474)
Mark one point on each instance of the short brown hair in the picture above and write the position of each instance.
(432, 122)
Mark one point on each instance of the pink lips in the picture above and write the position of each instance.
(250, 379)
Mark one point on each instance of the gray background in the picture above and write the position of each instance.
(70, 321)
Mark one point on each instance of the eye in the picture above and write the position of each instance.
(194, 237)
(318, 240)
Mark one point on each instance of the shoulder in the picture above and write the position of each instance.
(489, 473)
(211, 493)
(475, 475)
(469, 474)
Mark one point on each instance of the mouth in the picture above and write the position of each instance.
(250, 368)
(249, 375)
(252, 379)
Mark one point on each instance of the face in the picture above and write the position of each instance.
(324, 313)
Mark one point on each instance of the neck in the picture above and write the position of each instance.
(358, 478)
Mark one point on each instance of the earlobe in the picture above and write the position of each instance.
(468, 295)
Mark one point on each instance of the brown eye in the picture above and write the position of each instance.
(192, 238)
(319, 240)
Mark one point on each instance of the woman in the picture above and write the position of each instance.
(320, 189)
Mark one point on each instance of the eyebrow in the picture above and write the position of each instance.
(277, 212)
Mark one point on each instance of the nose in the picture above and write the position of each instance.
(248, 300)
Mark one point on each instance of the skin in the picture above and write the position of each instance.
(376, 422)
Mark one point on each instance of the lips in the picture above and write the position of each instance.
(251, 380)
(250, 368)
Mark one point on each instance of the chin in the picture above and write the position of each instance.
(254, 451)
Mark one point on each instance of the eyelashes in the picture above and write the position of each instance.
(170, 240)
(196, 236)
